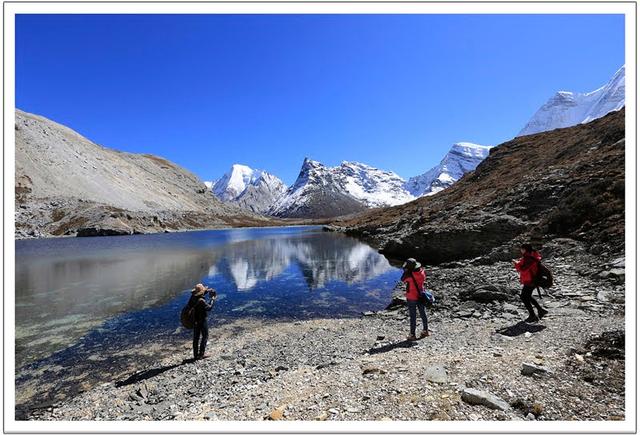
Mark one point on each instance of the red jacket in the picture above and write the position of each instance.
(420, 277)
(528, 267)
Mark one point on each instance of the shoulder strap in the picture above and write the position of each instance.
(415, 282)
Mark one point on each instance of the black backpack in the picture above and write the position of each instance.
(544, 277)
(188, 315)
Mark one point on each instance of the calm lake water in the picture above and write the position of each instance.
(75, 296)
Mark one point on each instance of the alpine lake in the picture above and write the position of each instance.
(87, 309)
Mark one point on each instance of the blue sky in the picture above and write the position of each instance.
(392, 91)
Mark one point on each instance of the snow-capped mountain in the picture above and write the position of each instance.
(249, 188)
(463, 157)
(565, 109)
(323, 191)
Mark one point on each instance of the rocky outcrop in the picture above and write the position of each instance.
(565, 183)
(66, 184)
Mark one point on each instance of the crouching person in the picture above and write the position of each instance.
(414, 277)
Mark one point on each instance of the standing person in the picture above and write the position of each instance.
(200, 326)
(527, 266)
(414, 277)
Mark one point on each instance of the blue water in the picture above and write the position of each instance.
(79, 296)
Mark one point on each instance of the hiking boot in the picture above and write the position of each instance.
(542, 312)
(424, 334)
(411, 338)
(203, 356)
(531, 319)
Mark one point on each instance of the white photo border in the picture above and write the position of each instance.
(10, 9)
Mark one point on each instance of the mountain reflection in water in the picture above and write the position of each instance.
(66, 288)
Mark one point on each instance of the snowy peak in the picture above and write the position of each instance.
(249, 188)
(566, 108)
(233, 183)
(323, 191)
(371, 186)
(463, 157)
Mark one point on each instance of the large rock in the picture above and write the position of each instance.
(477, 397)
(107, 227)
(616, 273)
(460, 240)
(436, 374)
(529, 369)
(487, 293)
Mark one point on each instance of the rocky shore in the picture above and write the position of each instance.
(480, 362)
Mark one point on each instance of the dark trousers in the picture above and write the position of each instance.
(412, 316)
(527, 298)
(200, 333)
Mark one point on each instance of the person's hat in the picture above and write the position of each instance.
(198, 290)
(411, 264)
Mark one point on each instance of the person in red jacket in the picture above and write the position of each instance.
(414, 277)
(527, 266)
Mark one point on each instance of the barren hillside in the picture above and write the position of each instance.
(563, 183)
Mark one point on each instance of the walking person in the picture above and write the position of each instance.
(414, 277)
(200, 325)
(528, 266)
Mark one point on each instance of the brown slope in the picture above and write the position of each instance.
(563, 183)
(67, 185)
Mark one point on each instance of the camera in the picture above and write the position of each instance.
(212, 292)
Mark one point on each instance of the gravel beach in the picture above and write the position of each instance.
(481, 361)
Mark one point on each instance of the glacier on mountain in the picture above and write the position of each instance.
(322, 191)
(565, 109)
(249, 188)
(463, 157)
(325, 191)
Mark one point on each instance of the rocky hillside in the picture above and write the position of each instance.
(565, 108)
(563, 183)
(66, 184)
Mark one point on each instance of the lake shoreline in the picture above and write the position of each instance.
(364, 369)
(303, 223)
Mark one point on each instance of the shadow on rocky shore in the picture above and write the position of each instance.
(148, 374)
(520, 328)
(392, 346)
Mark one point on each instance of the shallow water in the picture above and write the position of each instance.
(87, 299)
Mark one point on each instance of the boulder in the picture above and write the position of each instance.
(436, 374)
(616, 273)
(103, 231)
(529, 369)
(618, 263)
(509, 308)
(477, 397)
(490, 293)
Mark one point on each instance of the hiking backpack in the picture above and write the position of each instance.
(544, 277)
(425, 297)
(188, 315)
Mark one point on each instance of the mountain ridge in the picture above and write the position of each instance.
(69, 185)
(567, 182)
(567, 108)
